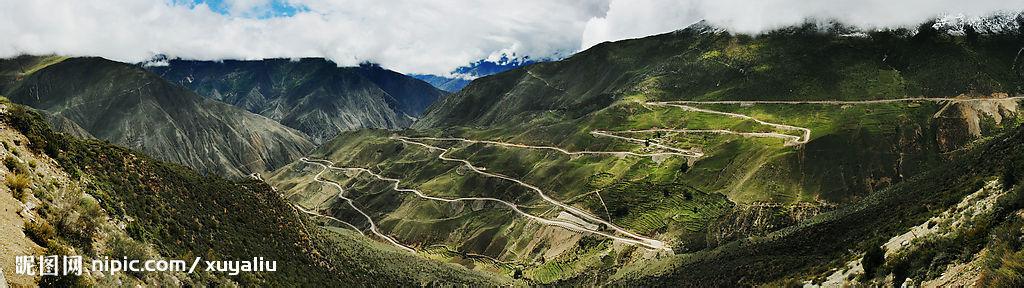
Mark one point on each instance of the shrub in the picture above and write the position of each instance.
(1009, 178)
(40, 231)
(10, 163)
(14, 166)
(82, 220)
(873, 258)
(18, 183)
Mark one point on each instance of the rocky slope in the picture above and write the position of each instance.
(132, 107)
(312, 95)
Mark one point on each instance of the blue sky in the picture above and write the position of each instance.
(261, 9)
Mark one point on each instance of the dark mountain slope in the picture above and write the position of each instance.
(312, 95)
(179, 214)
(701, 63)
(15, 69)
(130, 106)
(408, 95)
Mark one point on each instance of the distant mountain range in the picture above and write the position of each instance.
(132, 107)
(463, 75)
(312, 95)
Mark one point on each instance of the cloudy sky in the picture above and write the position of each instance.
(429, 37)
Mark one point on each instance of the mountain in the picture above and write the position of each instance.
(919, 225)
(67, 196)
(312, 95)
(804, 62)
(448, 84)
(130, 106)
(463, 75)
(703, 156)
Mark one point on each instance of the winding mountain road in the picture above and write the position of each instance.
(839, 102)
(651, 243)
(341, 194)
(805, 132)
(636, 240)
(678, 152)
(629, 237)
(303, 210)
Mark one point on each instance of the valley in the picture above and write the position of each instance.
(650, 147)
(813, 154)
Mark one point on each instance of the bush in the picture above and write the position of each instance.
(873, 258)
(1009, 178)
(14, 165)
(18, 183)
(40, 232)
(82, 220)
(10, 163)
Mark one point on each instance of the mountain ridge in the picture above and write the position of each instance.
(312, 95)
(130, 106)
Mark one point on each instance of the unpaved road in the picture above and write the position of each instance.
(303, 210)
(341, 194)
(790, 140)
(838, 102)
(801, 140)
(678, 152)
(649, 243)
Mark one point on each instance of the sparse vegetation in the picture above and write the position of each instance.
(1003, 262)
(40, 231)
(180, 212)
(18, 183)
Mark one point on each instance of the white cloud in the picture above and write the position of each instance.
(636, 18)
(431, 37)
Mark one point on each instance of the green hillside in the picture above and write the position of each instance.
(807, 62)
(166, 210)
(811, 248)
(620, 165)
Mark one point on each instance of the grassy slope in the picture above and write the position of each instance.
(855, 151)
(184, 214)
(699, 63)
(815, 245)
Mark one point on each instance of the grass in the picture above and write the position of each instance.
(19, 184)
(854, 152)
(183, 214)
